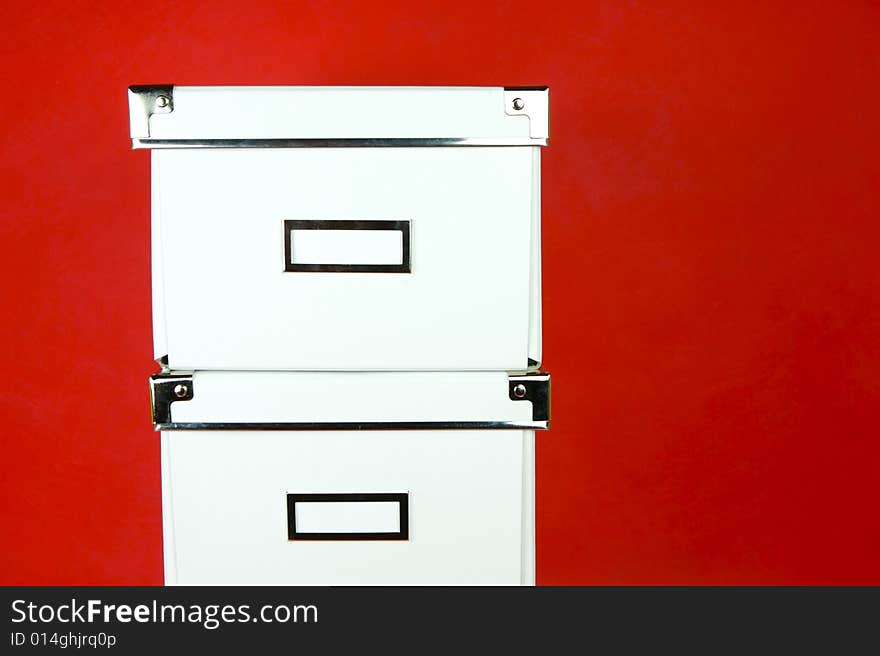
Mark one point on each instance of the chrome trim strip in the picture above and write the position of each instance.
(356, 426)
(384, 142)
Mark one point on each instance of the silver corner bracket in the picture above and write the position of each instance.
(535, 387)
(533, 102)
(165, 389)
(143, 102)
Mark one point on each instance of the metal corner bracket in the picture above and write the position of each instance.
(533, 102)
(165, 389)
(532, 386)
(143, 102)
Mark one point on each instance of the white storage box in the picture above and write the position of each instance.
(330, 228)
(349, 478)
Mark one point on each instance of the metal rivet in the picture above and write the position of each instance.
(163, 101)
(181, 391)
(518, 103)
(519, 391)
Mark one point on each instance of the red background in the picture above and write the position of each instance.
(712, 276)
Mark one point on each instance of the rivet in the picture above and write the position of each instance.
(163, 101)
(180, 391)
(518, 103)
(519, 391)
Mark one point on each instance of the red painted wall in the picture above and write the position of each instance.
(712, 270)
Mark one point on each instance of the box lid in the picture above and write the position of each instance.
(166, 116)
(288, 400)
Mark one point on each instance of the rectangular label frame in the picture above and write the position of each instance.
(328, 224)
(402, 499)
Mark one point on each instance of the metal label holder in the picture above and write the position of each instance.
(402, 499)
(320, 224)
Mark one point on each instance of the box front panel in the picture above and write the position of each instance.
(234, 296)
(228, 507)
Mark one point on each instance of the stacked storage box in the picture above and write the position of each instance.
(347, 312)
